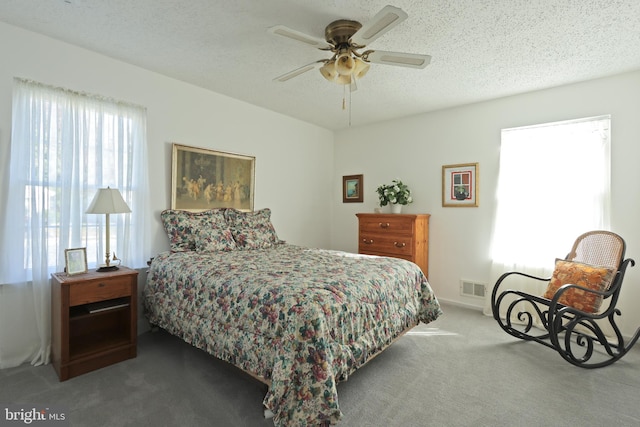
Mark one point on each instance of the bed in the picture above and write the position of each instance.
(298, 319)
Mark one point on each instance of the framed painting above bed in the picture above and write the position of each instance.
(204, 179)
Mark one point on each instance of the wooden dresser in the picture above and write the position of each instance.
(395, 235)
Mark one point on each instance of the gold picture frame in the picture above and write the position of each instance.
(460, 185)
(352, 189)
(75, 261)
(203, 179)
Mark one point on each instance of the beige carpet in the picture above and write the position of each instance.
(461, 370)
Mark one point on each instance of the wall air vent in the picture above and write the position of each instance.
(472, 289)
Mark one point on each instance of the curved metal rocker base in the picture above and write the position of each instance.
(577, 336)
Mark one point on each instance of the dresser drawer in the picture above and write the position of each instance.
(379, 244)
(389, 224)
(99, 290)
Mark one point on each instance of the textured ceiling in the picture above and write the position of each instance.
(480, 49)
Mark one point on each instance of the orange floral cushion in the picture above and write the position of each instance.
(587, 276)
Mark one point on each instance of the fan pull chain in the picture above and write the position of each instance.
(350, 95)
(344, 100)
(344, 97)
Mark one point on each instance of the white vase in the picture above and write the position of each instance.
(396, 208)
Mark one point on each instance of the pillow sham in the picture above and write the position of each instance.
(252, 230)
(587, 276)
(214, 239)
(182, 226)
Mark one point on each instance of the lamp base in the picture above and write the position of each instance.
(104, 268)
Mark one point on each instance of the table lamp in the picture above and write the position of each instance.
(108, 201)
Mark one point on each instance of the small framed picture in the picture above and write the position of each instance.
(75, 261)
(460, 185)
(352, 189)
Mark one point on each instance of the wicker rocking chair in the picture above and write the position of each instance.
(568, 317)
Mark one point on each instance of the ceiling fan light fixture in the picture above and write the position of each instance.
(345, 64)
(328, 71)
(361, 68)
(343, 79)
(344, 38)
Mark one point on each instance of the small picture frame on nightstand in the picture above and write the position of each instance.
(75, 261)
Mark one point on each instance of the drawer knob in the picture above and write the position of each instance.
(101, 285)
(399, 244)
(368, 242)
(384, 225)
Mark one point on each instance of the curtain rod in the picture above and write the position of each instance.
(78, 93)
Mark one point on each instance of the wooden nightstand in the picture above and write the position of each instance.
(94, 320)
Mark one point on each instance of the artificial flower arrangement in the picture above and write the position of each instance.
(394, 193)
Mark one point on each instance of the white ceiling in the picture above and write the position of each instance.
(481, 49)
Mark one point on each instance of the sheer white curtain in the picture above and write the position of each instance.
(553, 185)
(64, 146)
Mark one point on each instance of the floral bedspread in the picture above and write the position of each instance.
(302, 319)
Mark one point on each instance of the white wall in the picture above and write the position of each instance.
(415, 148)
(294, 160)
(299, 169)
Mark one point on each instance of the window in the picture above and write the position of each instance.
(553, 185)
(64, 146)
(66, 161)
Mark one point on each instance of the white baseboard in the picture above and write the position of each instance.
(462, 304)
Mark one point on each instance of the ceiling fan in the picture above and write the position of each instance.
(346, 39)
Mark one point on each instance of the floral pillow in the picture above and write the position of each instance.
(182, 226)
(214, 239)
(587, 276)
(252, 230)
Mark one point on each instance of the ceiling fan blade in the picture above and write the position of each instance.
(281, 30)
(411, 60)
(384, 21)
(298, 71)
